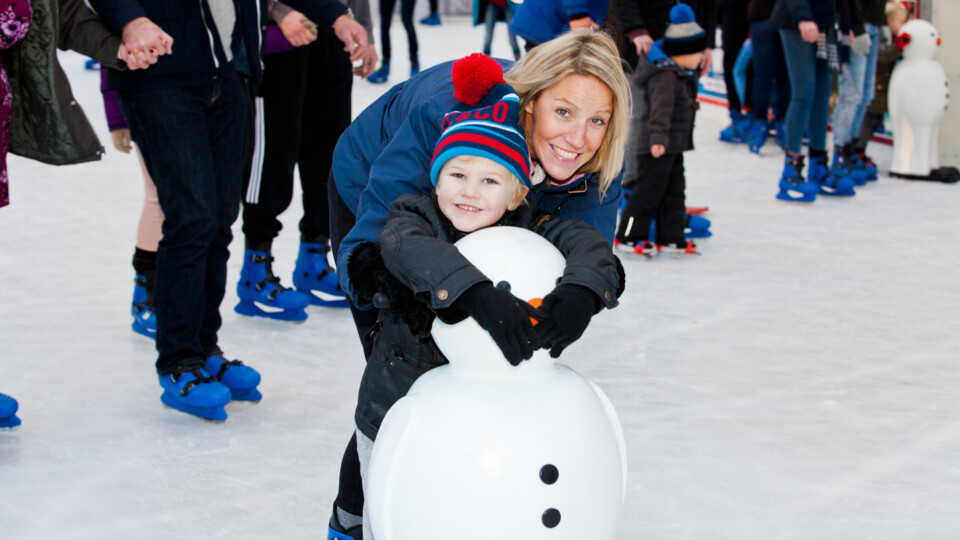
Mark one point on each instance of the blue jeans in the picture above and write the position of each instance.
(769, 70)
(855, 90)
(809, 93)
(740, 69)
(192, 143)
(492, 14)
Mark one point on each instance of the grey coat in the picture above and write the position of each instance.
(48, 123)
(668, 109)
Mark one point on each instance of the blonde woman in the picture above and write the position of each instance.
(574, 110)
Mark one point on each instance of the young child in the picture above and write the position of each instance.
(669, 78)
(887, 56)
(480, 168)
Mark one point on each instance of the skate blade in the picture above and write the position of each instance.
(785, 196)
(216, 415)
(10, 423)
(246, 395)
(320, 298)
(246, 307)
(142, 330)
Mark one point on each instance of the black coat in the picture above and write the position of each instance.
(417, 247)
(669, 106)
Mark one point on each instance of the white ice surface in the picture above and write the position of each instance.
(798, 380)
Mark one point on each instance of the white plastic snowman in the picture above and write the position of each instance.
(917, 101)
(480, 449)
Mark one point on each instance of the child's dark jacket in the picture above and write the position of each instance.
(417, 247)
(669, 104)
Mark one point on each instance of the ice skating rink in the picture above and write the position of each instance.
(797, 380)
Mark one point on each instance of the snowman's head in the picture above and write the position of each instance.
(530, 265)
(919, 38)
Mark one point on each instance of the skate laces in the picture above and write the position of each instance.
(198, 378)
(262, 284)
(224, 365)
(323, 250)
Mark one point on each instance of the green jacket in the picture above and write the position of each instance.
(48, 123)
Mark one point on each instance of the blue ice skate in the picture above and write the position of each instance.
(826, 181)
(381, 75)
(431, 20)
(8, 412)
(240, 379)
(91, 64)
(144, 318)
(738, 129)
(314, 277)
(793, 187)
(843, 165)
(757, 136)
(261, 294)
(191, 390)
(696, 227)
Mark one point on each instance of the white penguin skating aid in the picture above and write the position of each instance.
(917, 99)
(480, 449)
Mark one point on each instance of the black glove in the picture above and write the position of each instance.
(505, 317)
(564, 315)
(372, 282)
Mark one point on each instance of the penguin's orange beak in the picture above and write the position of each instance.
(938, 41)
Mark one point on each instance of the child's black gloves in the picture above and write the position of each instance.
(505, 317)
(564, 315)
(370, 276)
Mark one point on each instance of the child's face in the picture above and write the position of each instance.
(897, 18)
(475, 192)
(688, 61)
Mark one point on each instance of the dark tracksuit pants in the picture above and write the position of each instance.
(305, 107)
(657, 194)
(734, 30)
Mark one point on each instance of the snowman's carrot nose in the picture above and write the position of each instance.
(535, 302)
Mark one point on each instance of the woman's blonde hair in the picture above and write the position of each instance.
(581, 52)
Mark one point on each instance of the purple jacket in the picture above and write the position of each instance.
(111, 106)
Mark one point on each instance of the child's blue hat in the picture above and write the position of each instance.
(490, 132)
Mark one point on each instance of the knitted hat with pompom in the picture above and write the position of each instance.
(684, 35)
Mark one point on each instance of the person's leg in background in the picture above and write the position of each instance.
(272, 147)
(406, 16)
(433, 19)
(149, 233)
(734, 31)
(326, 114)
(819, 172)
(381, 75)
(191, 140)
(801, 57)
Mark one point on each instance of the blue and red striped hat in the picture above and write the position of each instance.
(489, 132)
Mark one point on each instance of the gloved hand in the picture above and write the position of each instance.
(370, 278)
(505, 317)
(564, 315)
(861, 44)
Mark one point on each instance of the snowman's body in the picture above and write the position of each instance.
(917, 100)
(480, 449)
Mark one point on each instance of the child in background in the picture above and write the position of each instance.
(670, 105)
(481, 169)
(887, 57)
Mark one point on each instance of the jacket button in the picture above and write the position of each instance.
(442, 294)
(608, 296)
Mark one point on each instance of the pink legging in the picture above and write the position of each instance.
(149, 231)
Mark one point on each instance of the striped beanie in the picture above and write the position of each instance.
(490, 132)
(684, 35)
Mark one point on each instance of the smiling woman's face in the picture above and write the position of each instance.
(568, 122)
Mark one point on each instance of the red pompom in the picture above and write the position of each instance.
(474, 76)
